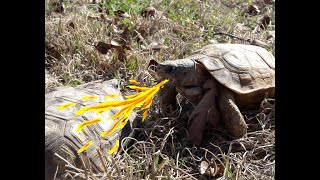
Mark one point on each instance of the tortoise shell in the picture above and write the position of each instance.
(60, 126)
(241, 68)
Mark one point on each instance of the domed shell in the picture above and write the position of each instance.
(241, 68)
(61, 136)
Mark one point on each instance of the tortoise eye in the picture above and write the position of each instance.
(170, 69)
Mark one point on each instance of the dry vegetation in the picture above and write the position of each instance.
(86, 41)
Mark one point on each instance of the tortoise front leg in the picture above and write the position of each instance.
(231, 114)
(205, 112)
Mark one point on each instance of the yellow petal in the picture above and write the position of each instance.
(102, 111)
(110, 131)
(63, 106)
(86, 146)
(144, 115)
(131, 96)
(118, 124)
(119, 113)
(87, 123)
(123, 123)
(134, 82)
(100, 106)
(147, 104)
(115, 147)
(86, 98)
(138, 88)
(111, 104)
(162, 83)
(111, 96)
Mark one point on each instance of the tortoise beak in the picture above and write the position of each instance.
(175, 70)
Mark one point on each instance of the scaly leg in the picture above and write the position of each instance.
(231, 114)
(205, 112)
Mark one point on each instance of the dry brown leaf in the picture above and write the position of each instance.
(148, 12)
(103, 48)
(70, 24)
(265, 22)
(253, 10)
(102, 9)
(122, 14)
(58, 7)
(51, 50)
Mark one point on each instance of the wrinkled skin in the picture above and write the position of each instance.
(193, 81)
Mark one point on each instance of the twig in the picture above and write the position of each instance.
(227, 163)
(231, 35)
(85, 168)
(68, 163)
(89, 167)
(116, 165)
(187, 174)
(102, 160)
(141, 38)
(55, 174)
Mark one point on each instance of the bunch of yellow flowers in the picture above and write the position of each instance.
(142, 99)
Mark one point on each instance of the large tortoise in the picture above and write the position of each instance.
(220, 79)
(61, 137)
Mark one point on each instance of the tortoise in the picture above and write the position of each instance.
(61, 138)
(221, 80)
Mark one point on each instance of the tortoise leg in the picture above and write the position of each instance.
(167, 98)
(205, 112)
(231, 114)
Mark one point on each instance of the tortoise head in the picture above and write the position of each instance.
(183, 72)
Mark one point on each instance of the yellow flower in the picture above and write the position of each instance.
(115, 147)
(134, 82)
(86, 98)
(144, 115)
(87, 123)
(142, 100)
(86, 146)
(111, 96)
(63, 106)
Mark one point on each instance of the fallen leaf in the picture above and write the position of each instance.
(103, 47)
(253, 10)
(102, 9)
(58, 7)
(122, 14)
(148, 12)
(70, 24)
(265, 22)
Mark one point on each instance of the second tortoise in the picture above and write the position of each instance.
(220, 80)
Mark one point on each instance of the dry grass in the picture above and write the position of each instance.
(159, 149)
